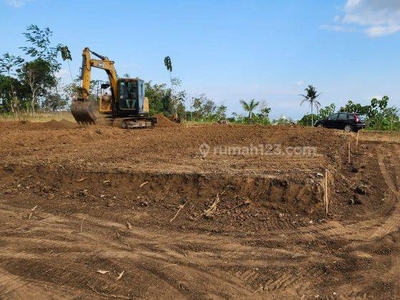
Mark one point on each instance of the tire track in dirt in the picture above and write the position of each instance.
(392, 221)
(181, 274)
(15, 287)
(188, 265)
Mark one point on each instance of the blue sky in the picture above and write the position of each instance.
(230, 49)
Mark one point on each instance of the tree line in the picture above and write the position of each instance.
(31, 84)
(379, 115)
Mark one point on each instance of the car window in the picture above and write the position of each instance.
(333, 117)
(342, 116)
(361, 117)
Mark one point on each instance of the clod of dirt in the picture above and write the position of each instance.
(83, 193)
(144, 203)
(354, 170)
(355, 201)
(361, 189)
(110, 203)
(9, 169)
(8, 191)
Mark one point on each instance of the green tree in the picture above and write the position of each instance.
(356, 108)
(307, 119)
(379, 115)
(168, 65)
(220, 112)
(161, 99)
(41, 47)
(177, 99)
(392, 117)
(9, 64)
(249, 107)
(54, 101)
(27, 82)
(326, 111)
(310, 97)
(203, 108)
(323, 113)
(262, 116)
(37, 75)
(8, 93)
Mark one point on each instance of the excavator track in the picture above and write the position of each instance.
(138, 122)
(83, 112)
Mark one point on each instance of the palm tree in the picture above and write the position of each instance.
(310, 97)
(249, 107)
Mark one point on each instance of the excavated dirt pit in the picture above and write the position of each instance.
(169, 213)
(249, 202)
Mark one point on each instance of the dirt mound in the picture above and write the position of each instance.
(30, 125)
(62, 124)
(163, 121)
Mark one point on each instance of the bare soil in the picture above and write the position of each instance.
(197, 212)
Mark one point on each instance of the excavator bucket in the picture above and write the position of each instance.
(83, 112)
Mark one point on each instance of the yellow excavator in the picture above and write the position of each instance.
(126, 101)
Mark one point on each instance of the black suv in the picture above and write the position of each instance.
(343, 120)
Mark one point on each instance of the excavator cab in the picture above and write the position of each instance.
(130, 96)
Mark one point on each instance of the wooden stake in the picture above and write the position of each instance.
(358, 132)
(326, 200)
(349, 154)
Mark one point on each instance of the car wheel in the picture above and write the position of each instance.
(348, 128)
(320, 125)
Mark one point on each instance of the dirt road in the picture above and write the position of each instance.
(197, 212)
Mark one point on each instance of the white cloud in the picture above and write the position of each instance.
(375, 18)
(17, 3)
(377, 31)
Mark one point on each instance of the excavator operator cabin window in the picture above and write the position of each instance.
(128, 94)
(123, 90)
(132, 90)
(141, 90)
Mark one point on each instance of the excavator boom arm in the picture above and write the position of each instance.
(82, 109)
(102, 63)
